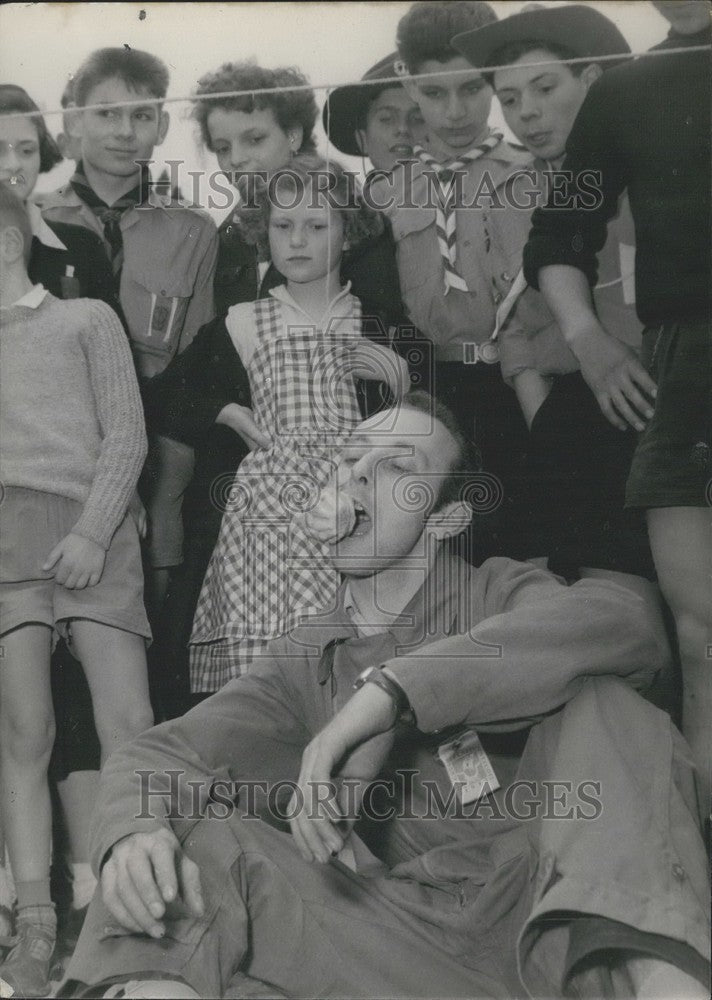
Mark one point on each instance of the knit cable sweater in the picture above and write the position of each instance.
(71, 421)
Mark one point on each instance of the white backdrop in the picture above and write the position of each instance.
(42, 44)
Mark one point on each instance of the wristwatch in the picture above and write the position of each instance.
(387, 683)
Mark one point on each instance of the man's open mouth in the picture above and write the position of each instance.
(363, 520)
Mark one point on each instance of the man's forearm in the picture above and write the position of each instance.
(568, 295)
(522, 664)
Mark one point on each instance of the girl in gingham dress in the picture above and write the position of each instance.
(302, 348)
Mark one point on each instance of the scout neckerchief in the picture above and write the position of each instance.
(445, 210)
(110, 215)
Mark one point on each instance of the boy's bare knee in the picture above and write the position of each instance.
(693, 637)
(120, 726)
(26, 740)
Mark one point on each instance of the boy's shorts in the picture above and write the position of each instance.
(672, 465)
(31, 524)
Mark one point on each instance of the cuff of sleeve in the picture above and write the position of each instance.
(596, 940)
(539, 253)
(100, 855)
(423, 697)
(88, 527)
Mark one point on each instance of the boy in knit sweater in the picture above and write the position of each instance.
(72, 447)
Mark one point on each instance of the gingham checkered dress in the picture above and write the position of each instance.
(265, 571)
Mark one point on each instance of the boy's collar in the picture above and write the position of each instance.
(41, 230)
(30, 300)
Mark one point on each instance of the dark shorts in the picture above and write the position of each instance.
(489, 415)
(672, 466)
(578, 466)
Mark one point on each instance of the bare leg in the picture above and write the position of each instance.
(77, 794)
(681, 542)
(26, 738)
(115, 664)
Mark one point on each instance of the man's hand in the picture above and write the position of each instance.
(242, 421)
(77, 562)
(144, 873)
(360, 736)
(619, 382)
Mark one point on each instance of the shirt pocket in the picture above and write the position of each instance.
(418, 254)
(165, 299)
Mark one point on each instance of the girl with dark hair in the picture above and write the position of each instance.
(66, 259)
(250, 133)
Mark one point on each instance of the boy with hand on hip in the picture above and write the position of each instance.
(73, 443)
(163, 255)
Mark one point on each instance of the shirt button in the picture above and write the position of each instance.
(229, 229)
(679, 872)
(268, 381)
(506, 276)
(497, 298)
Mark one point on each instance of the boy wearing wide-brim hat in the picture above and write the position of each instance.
(375, 118)
(578, 463)
(378, 119)
(646, 127)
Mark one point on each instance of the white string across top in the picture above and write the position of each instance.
(397, 78)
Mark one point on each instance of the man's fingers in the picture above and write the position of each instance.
(315, 819)
(190, 886)
(130, 897)
(122, 915)
(111, 898)
(143, 878)
(299, 840)
(163, 859)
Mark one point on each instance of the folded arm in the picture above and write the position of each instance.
(533, 651)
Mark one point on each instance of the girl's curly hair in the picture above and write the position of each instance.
(322, 179)
(14, 100)
(290, 108)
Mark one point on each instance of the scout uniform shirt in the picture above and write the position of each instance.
(166, 284)
(407, 199)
